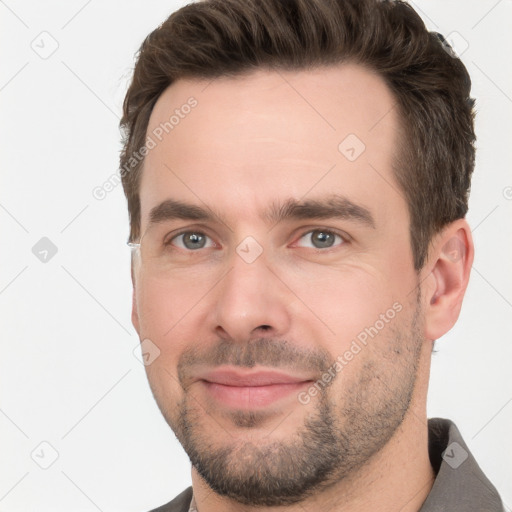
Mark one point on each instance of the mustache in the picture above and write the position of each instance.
(263, 351)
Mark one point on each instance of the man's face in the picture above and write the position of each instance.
(284, 299)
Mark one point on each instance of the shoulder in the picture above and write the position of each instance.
(179, 504)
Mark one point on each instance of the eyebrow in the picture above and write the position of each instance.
(333, 206)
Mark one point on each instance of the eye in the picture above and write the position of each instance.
(191, 240)
(320, 239)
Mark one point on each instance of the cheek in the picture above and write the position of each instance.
(166, 317)
(345, 302)
(167, 312)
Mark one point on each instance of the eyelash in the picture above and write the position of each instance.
(344, 237)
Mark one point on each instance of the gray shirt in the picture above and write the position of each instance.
(460, 484)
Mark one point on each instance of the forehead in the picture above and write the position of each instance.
(273, 135)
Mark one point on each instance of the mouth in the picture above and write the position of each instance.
(251, 389)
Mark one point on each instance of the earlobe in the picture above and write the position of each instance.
(451, 259)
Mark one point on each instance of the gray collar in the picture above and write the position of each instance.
(460, 484)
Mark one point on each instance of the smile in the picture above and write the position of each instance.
(250, 390)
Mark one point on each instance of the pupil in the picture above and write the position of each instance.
(321, 239)
(193, 240)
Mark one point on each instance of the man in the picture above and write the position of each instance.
(297, 176)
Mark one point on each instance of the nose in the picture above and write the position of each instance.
(251, 302)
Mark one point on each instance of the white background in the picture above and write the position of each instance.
(68, 373)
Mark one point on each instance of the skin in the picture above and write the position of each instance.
(265, 138)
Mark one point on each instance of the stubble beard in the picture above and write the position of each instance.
(336, 439)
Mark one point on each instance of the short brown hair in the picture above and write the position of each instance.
(431, 86)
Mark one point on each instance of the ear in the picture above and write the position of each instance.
(135, 313)
(448, 267)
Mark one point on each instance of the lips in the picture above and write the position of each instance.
(250, 389)
(229, 377)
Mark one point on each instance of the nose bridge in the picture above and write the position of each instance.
(250, 300)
